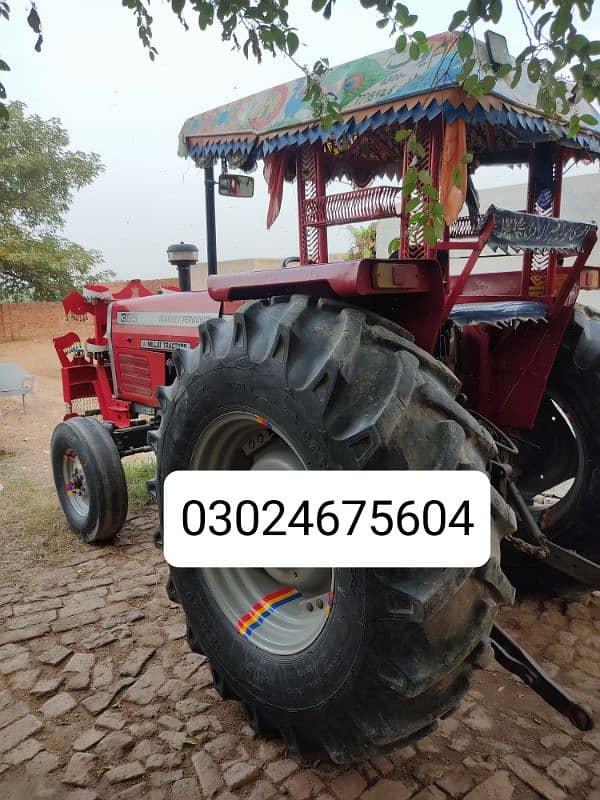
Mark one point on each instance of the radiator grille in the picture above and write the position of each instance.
(135, 375)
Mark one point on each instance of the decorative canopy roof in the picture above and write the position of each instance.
(383, 88)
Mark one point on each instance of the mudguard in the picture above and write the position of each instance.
(587, 350)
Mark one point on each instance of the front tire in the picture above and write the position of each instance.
(89, 479)
(334, 388)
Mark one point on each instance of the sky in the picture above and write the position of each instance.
(95, 76)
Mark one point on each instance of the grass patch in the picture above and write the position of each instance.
(32, 525)
(137, 471)
(33, 529)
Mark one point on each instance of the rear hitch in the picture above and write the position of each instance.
(553, 555)
(517, 660)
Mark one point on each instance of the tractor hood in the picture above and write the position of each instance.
(144, 331)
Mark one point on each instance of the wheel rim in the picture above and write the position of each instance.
(281, 610)
(555, 500)
(76, 488)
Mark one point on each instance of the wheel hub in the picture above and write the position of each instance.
(283, 609)
(75, 483)
(305, 580)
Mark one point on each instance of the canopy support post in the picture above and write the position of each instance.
(310, 177)
(412, 240)
(211, 225)
(545, 175)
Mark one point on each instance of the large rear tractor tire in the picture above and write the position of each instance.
(350, 662)
(561, 473)
(89, 479)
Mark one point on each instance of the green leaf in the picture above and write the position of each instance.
(534, 69)
(465, 46)
(516, 76)
(430, 191)
(524, 54)
(318, 5)
(457, 177)
(4, 66)
(413, 51)
(503, 70)
(402, 135)
(292, 43)
(539, 25)
(562, 20)
(471, 85)
(424, 176)
(468, 67)
(588, 119)
(178, 6)
(393, 245)
(573, 127)
(409, 183)
(413, 204)
(467, 158)
(578, 43)
(401, 43)
(495, 11)
(487, 84)
(430, 235)
(457, 20)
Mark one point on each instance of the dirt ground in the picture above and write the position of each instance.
(100, 697)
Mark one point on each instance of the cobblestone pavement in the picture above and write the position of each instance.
(100, 698)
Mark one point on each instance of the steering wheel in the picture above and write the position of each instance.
(289, 260)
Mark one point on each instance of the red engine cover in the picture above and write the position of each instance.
(145, 330)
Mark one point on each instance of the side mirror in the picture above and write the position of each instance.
(236, 185)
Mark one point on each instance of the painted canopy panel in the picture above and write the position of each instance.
(381, 80)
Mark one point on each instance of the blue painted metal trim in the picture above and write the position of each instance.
(525, 126)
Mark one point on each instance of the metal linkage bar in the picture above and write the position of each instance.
(517, 660)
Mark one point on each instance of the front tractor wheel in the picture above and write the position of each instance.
(350, 662)
(89, 479)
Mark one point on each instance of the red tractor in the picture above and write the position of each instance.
(401, 363)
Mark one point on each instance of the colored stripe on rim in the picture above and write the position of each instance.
(264, 608)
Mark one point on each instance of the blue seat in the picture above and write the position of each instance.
(502, 312)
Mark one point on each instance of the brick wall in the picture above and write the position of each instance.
(34, 321)
(46, 320)
(26, 321)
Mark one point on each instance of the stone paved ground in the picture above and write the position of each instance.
(100, 698)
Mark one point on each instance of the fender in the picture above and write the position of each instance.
(587, 350)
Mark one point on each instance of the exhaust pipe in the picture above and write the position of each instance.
(183, 256)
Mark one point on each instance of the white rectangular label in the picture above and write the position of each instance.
(160, 319)
(326, 519)
(161, 344)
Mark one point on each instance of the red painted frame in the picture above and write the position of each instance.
(505, 373)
